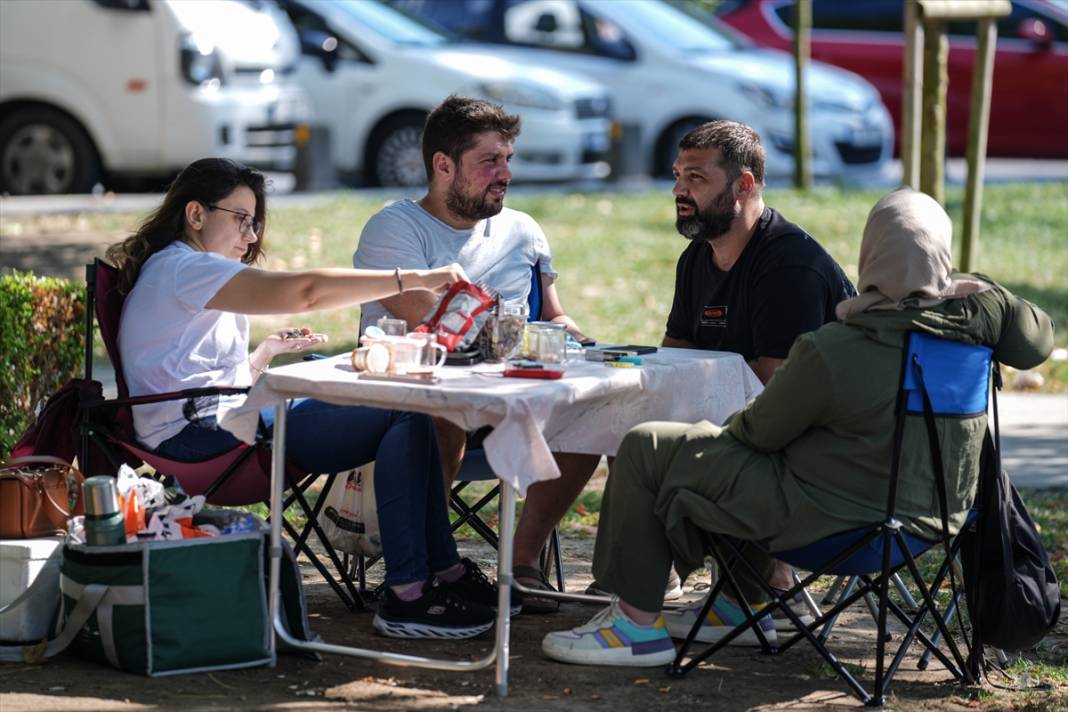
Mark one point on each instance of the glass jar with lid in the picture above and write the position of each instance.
(502, 335)
(545, 341)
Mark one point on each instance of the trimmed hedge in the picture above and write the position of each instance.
(42, 323)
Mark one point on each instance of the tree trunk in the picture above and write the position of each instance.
(802, 28)
(935, 84)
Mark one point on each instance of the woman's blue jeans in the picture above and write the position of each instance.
(324, 438)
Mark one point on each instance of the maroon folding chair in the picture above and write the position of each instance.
(240, 476)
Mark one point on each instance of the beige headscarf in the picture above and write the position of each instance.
(905, 258)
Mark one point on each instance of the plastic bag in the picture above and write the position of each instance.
(349, 517)
(459, 316)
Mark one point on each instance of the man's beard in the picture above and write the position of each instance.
(476, 207)
(710, 223)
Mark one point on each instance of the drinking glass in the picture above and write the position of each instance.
(393, 327)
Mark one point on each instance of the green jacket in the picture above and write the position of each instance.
(827, 416)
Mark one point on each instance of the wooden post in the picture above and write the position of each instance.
(933, 133)
(802, 29)
(978, 124)
(911, 100)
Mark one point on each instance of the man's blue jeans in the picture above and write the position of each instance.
(323, 438)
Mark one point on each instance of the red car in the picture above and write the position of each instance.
(1029, 108)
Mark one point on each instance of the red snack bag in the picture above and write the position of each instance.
(459, 316)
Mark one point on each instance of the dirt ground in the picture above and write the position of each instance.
(738, 678)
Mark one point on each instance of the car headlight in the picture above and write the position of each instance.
(767, 98)
(199, 61)
(521, 95)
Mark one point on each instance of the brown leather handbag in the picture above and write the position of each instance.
(38, 494)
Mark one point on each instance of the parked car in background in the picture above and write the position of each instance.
(1029, 107)
(101, 89)
(668, 72)
(374, 73)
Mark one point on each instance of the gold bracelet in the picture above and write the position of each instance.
(251, 365)
(400, 284)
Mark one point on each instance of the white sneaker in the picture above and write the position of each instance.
(611, 638)
(722, 618)
(673, 592)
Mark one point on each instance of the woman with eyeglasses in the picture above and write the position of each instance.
(190, 283)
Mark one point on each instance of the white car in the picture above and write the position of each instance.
(373, 74)
(93, 89)
(669, 72)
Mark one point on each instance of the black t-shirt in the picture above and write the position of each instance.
(783, 285)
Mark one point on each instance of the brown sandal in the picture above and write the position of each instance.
(537, 580)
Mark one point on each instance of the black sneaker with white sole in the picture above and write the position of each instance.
(476, 587)
(438, 613)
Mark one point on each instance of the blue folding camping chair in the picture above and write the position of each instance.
(938, 378)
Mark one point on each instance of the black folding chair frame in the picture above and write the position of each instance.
(891, 534)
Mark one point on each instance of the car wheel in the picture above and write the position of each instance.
(396, 153)
(44, 152)
(667, 148)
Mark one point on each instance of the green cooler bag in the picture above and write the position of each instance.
(171, 606)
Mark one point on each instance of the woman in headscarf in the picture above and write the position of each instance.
(810, 456)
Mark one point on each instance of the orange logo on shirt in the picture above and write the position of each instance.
(715, 316)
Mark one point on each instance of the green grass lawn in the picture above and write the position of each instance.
(616, 253)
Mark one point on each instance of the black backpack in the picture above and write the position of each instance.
(1010, 587)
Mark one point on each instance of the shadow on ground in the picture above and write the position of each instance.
(739, 678)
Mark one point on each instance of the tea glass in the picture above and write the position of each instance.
(392, 327)
(429, 355)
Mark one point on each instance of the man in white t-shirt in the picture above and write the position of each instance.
(467, 144)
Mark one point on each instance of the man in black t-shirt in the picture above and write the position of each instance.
(750, 281)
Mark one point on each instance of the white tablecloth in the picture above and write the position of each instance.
(589, 410)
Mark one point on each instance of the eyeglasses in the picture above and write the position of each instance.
(249, 224)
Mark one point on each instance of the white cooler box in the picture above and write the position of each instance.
(23, 562)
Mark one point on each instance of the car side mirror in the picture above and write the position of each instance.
(1036, 32)
(323, 45)
(546, 22)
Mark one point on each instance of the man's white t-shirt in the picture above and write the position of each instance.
(497, 253)
(169, 341)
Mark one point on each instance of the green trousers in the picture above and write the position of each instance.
(670, 484)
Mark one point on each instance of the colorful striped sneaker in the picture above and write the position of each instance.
(723, 617)
(611, 638)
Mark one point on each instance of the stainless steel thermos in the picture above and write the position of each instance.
(104, 524)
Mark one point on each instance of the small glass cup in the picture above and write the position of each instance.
(406, 353)
(392, 327)
(545, 341)
(430, 355)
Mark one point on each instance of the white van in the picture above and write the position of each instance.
(669, 72)
(372, 75)
(94, 89)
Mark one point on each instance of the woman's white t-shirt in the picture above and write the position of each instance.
(169, 341)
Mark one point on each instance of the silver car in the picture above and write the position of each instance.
(668, 72)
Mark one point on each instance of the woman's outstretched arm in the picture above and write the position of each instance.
(256, 291)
